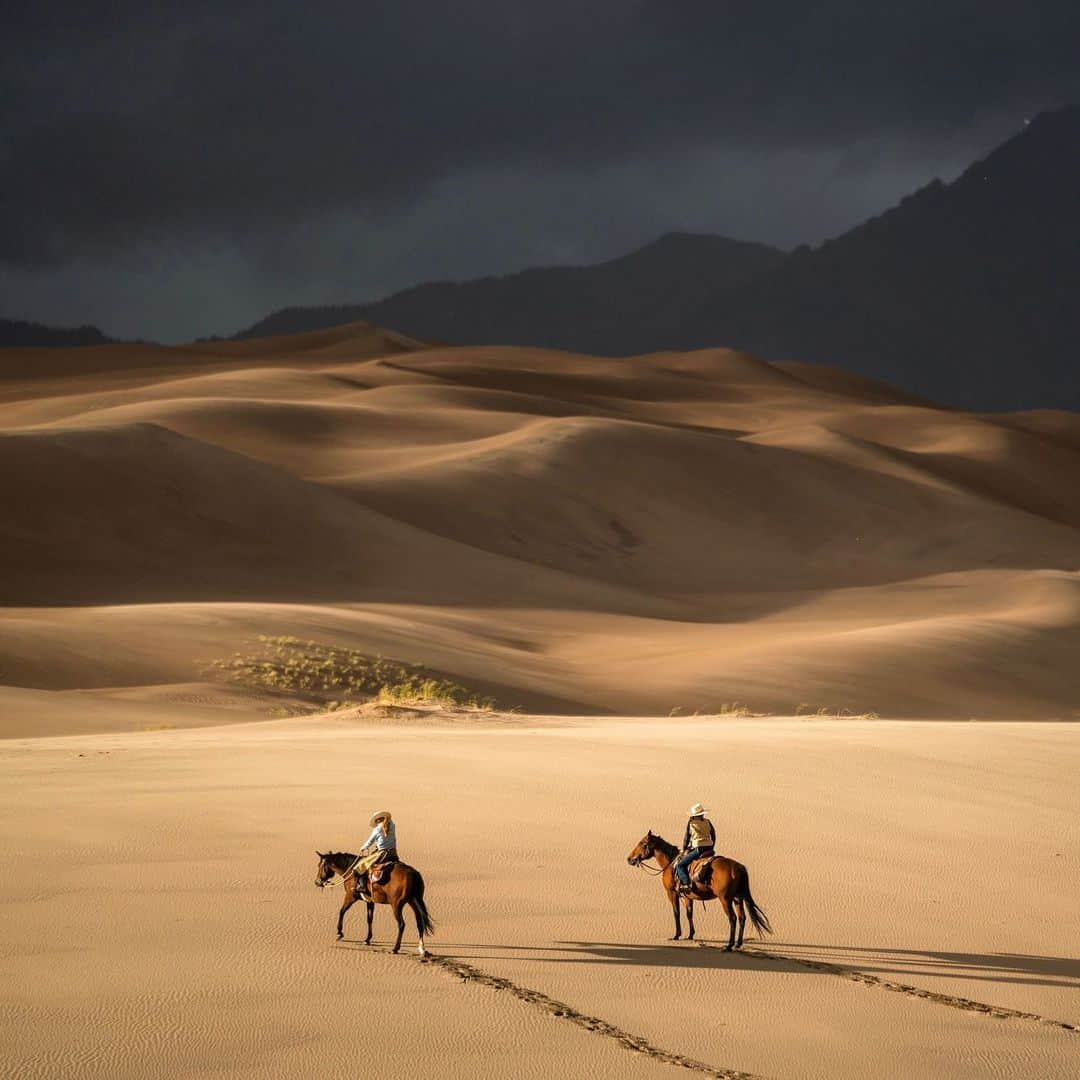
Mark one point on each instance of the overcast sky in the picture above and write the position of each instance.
(171, 171)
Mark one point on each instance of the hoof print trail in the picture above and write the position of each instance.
(467, 973)
(1000, 1012)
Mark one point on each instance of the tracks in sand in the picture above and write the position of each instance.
(465, 972)
(1000, 1012)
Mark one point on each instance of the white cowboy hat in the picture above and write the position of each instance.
(696, 810)
(379, 815)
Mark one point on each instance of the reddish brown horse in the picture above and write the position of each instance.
(729, 883)
(403, 886)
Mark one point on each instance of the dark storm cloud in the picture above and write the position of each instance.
(471, 224)
(168, 170)
(138, 120)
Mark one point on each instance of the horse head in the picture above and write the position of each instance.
(325, 874)
(643, 850)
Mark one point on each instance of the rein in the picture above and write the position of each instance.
(655, 871)
(343, 873)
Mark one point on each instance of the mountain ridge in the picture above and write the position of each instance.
(595, 294)
(20, 333)
(960, 292)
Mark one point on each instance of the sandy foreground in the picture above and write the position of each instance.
(160, 918)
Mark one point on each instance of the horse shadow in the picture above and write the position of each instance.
(690, 955)
(1016, 969)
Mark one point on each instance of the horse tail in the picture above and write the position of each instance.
(757, 916)
(421, 907)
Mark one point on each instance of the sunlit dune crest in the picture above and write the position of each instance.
(674, 531)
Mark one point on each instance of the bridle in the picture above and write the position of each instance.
(323, 882)
(642, 863)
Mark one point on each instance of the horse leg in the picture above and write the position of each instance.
(725, 903)
(398, 905)
(689, 917)
(740, 909)
(419, 927)
(350, 899)
(370, 916)
(675, 907)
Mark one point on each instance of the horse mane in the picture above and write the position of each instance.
(670, 850)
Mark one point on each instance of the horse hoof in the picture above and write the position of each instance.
(340, 936)
(727, 948)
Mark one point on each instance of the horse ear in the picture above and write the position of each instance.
(649, 834)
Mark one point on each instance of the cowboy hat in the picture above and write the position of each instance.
(695, 811)
(379, 815)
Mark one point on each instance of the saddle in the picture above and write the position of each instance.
(380, 872)
(700, 870)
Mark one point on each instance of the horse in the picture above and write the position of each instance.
(404, 886)
(729, 883)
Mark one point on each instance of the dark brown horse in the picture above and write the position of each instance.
(403, 886)
(729, 883)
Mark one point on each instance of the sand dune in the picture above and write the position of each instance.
(685, 511)
(1052, 424)
(671, 530)
(653, 536)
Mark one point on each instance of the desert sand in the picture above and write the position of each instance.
(160, 915)
(872, 602)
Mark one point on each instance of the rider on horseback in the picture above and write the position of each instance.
(379, 847)
(698, 841)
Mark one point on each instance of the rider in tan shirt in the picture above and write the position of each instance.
(699, 840)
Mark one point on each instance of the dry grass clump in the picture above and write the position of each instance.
(841, 713)
(337, 678)
(728, 708)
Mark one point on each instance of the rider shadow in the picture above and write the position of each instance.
(701, 953)
(1017, 969)
(690, 955)
(791, 958)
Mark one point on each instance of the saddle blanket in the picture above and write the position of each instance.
(380, 874)
(700, 870)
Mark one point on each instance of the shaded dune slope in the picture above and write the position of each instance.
(634, 534)
(141, 514)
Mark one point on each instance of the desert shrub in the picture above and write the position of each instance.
(728, 708)
(337, 677)
(733, 708)
(840, 713)
(417, 689)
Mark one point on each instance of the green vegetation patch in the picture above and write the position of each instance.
(337, 677)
